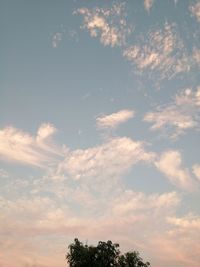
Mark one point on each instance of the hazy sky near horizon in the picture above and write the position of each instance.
(99, 129)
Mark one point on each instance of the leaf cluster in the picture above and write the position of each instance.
(105, 254)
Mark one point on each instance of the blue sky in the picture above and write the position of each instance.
(99, 129)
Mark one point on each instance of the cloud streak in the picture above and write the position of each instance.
(170, 164)
(196, 171)
(16, 145)
(115, 119)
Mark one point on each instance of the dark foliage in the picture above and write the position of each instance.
(105, 254)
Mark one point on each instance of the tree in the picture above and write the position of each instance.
(105, 254)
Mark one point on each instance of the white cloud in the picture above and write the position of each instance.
(109, 24)
(195, 10)
(196, 171)
(113, 120)
(45, 131)
(16, 145)
(178, 116)
(170, 163)
(148, 4)
(111, 159)
(160, 52)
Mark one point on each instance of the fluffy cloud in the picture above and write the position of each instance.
(148, 4)
(178, 116)
(170, 163)
(111, 159)
(113, 120)
(16, 145)
(195, 10)
(160, 52)
(109, 24)
(45, 131)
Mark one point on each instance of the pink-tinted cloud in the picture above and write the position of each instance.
(39, 150)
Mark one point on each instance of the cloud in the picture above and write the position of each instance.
(196, 55)
(109, 24)
(148, 4)
(195, 10)
(132, 202)
(111, 159)
(170, 163)
(57, 38)
(196, 171)
(35, 216)
(160, 52)
(189, 223)
(85, 197)
(3, 173)
(185, 234)
(113, 120)
(180, 115)
(29, 219)
(175, 249)
(16, 145)
(45, 131)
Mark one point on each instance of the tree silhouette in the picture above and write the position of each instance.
(105, 254)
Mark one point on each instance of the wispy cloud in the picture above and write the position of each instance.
(180, 115)
(185, 232)
(111, 159)
(57, 38)
(114, 119)
(148, 4)
(39, 150)
(132, 202)
(3, 173)
(170, 163)
(161, 53)
(196, 55)
(195, 10)
(188, 223)
(109, 24)
(196, 170)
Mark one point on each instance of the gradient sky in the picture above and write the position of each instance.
(99, 129)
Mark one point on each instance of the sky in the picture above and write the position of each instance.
(99, 129)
